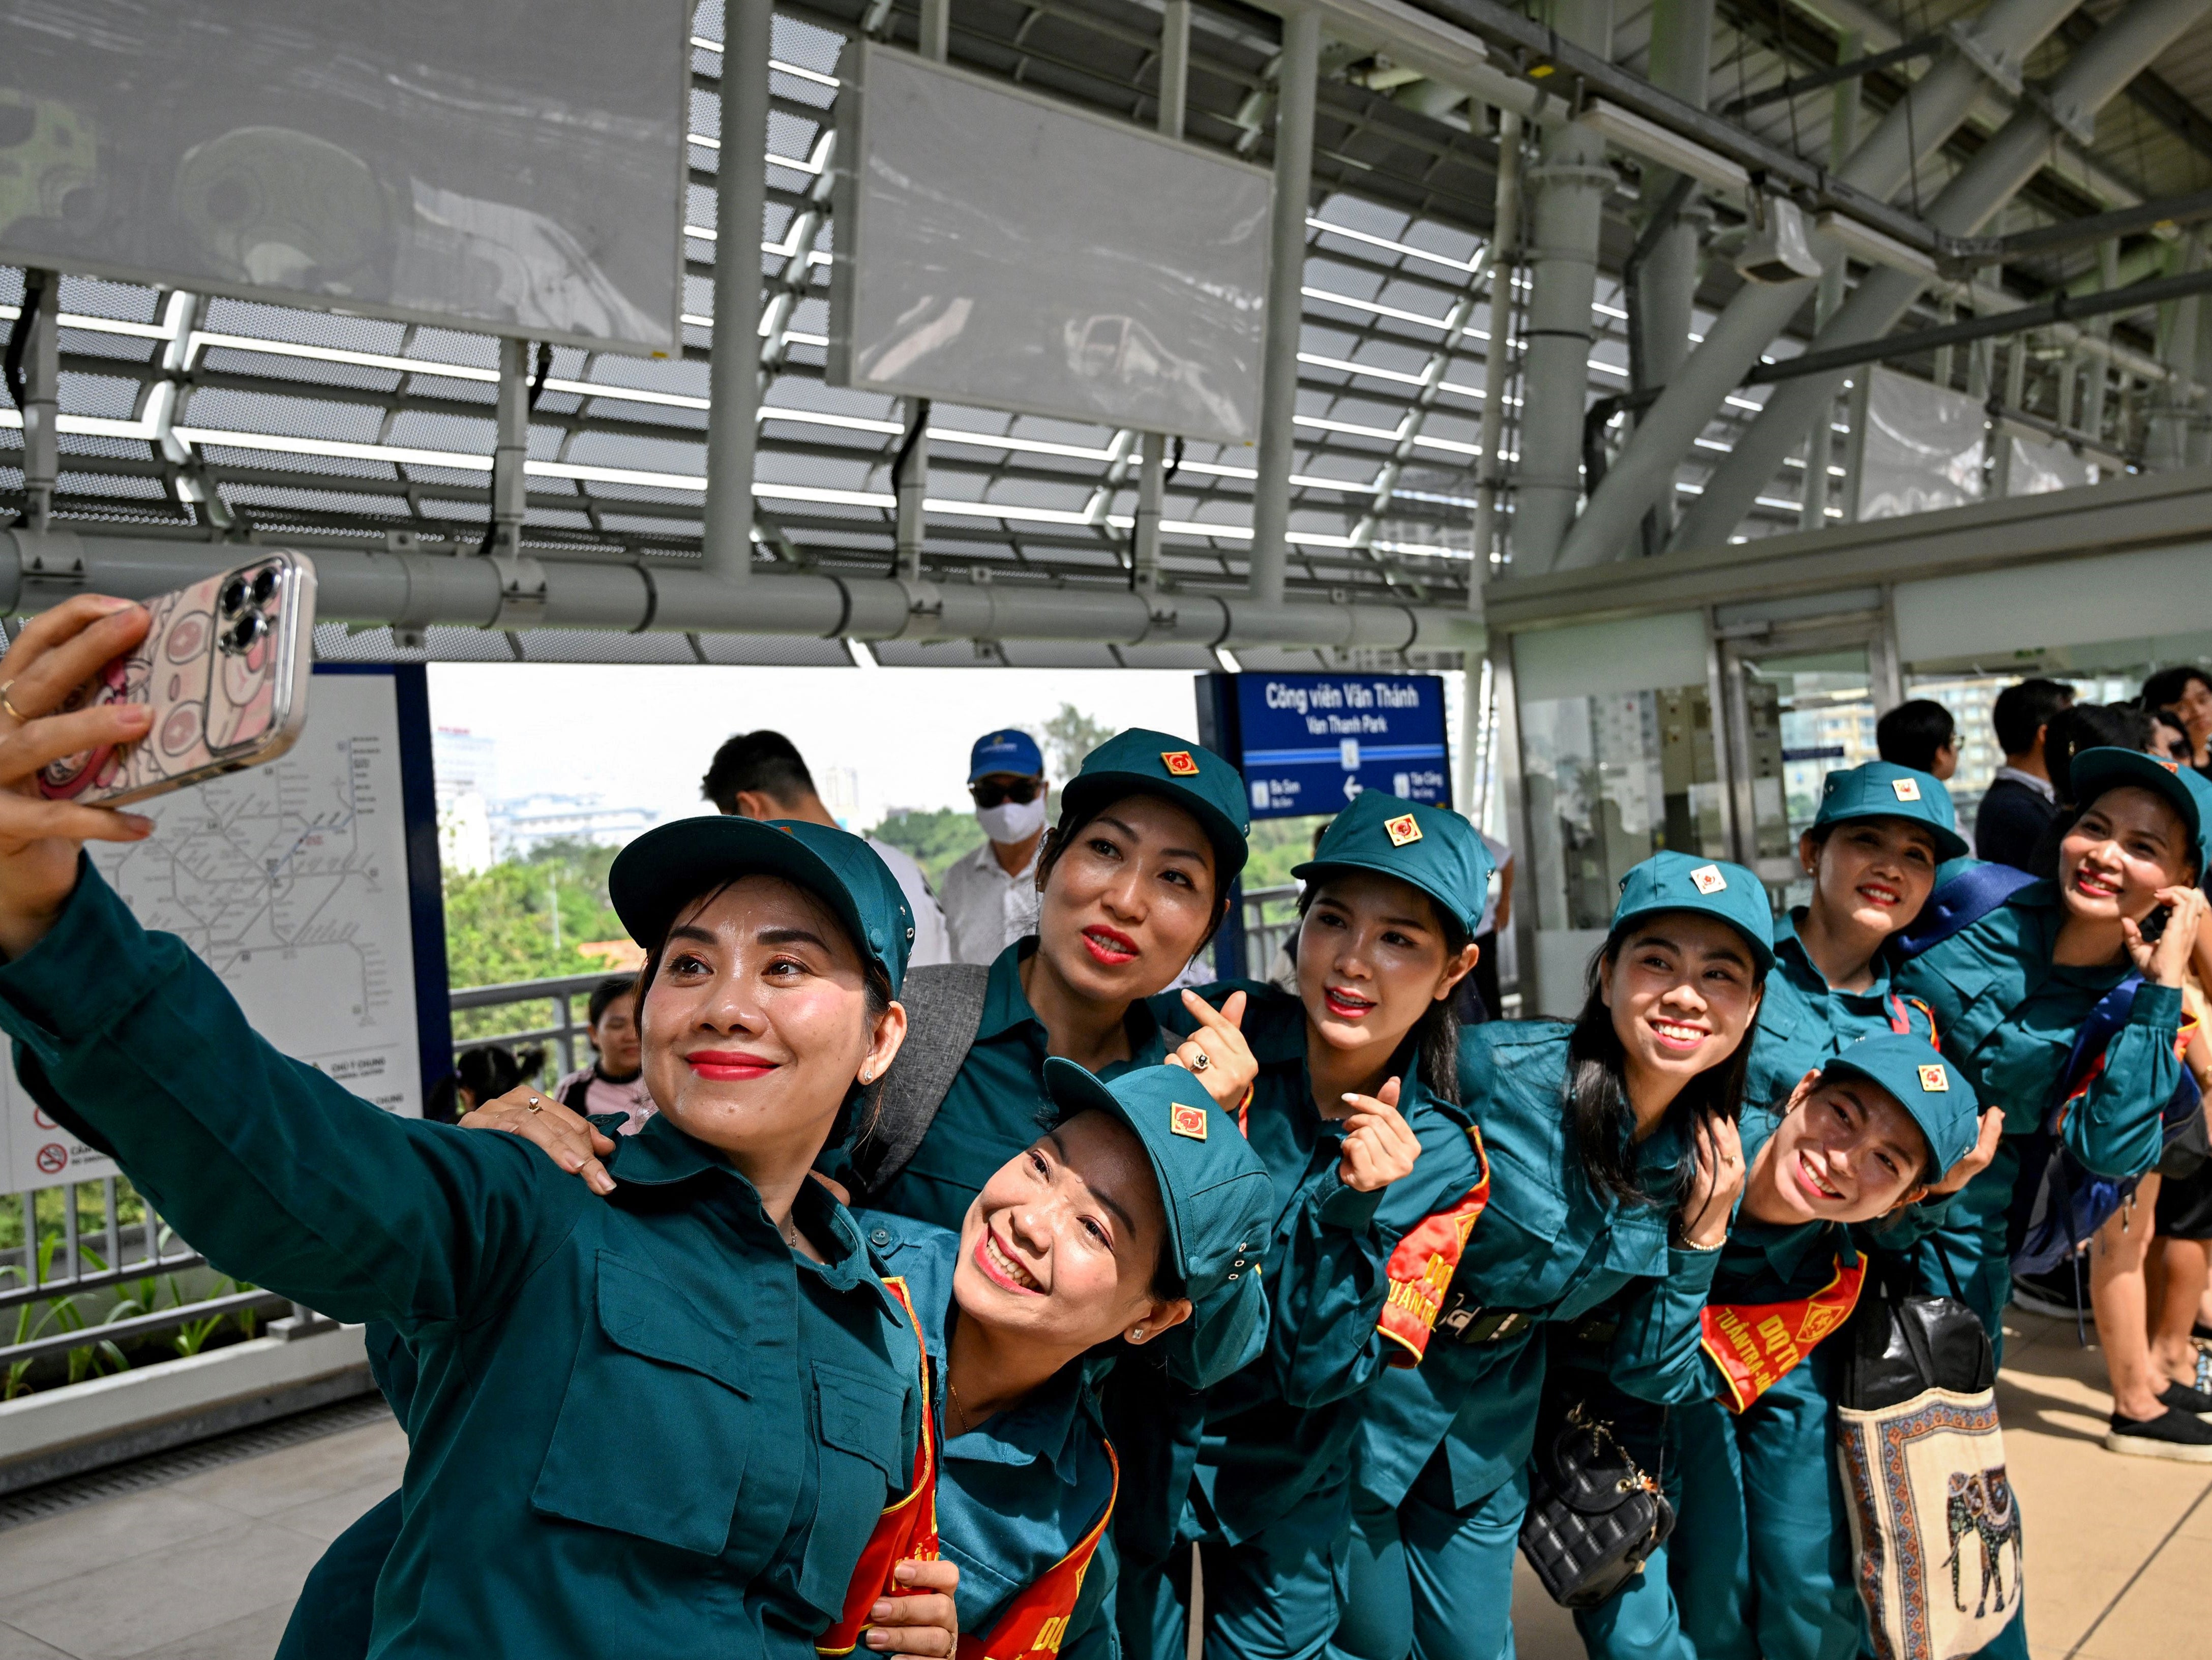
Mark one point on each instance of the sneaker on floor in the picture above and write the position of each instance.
(2170, 1435)
(2182, 1398)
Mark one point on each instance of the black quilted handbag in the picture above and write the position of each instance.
(1594, 1514)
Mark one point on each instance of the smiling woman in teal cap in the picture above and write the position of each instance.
(1353, 1113)
(1759, 1565)
(2014, 970)
(1613, 1165)
(725, 1300)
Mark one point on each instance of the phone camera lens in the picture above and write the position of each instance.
(234, 593)
(247, 632)
(264, 585)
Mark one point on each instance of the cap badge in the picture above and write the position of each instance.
(1908, 789)
(1934, 1081)
(1179, 764)
(1401, 830)
(2174, 767)
(1186, 1121)
(1707, 879)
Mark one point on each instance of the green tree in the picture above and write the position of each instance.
(1068, 738)
(501, 923)
(935, 841)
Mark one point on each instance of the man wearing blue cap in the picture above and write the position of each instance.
(991, 896)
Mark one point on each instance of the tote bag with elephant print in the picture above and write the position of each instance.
(1935, 1527)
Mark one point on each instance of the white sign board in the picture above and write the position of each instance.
(508, 164)
(998, 248)
(290, 881)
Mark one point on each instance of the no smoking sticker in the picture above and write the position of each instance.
(53, 1158)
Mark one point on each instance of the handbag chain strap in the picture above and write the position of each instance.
(1578, 1417)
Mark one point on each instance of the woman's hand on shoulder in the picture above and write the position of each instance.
(1217, 1054)
(1718, 1149)
(2165, 960)
(569, 1139)
(1379, 1145)
(922, 1620)
(58, 651)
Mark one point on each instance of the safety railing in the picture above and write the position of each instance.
(1271, 918)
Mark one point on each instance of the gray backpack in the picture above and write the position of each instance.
(944, 1006)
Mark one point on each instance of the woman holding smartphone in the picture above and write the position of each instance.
(2012, 989)
(723, 1296)
(1614, 1164)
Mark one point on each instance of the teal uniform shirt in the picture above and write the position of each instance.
(1017, 1494)
(1758, 1567)
(1549, 1245)
(1282, 1428)
(2006, 1018)
(1804, 1023)
(997, 1101)
(771, 1401)
(1439, 1472)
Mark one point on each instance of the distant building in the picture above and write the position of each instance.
(521, 825)
(840, 790)
(466, 764)
(465, 833)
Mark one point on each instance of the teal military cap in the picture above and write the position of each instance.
(1934, 1093)
(1882, 789)
(1219, 1202)
(666, 868)
(2094, 771)
(1681, 881)
(1192, 776)
(1431, 848)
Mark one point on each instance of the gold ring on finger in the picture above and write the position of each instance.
(1201, 1062)
(8, 704)
(535, 1105)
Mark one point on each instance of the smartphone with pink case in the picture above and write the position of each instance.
(224, 667)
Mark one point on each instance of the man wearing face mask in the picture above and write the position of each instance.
(990, 897)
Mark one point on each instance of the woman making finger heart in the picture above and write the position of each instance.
(1353, 1112)
(1615, 1165)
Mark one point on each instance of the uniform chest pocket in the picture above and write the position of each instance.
(864, 1463)
(654, 1429)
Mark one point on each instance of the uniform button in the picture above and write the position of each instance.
(880, 1237)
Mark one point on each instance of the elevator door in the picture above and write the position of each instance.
(1800, 703)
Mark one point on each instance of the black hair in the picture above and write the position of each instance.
(2167, 685)
(756, 763)
(1074, 820)
(2024, 709)
(486, 1072)
(1599, 1117)
(1434, 1035)
(2080, 726)
(1910, 734)
(875, 980)
(604, 994)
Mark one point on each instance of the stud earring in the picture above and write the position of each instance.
(1137, 1335)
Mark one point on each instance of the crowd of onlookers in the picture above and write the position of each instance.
(2143, 1278)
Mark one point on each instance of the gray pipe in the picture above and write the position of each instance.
(420, 590)
(733, 372)
(1295, 94)
(2099, 72)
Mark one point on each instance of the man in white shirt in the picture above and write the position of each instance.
(990, 896)
(759, 774)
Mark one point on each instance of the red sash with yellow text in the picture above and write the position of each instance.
(1035, 1622)
(906, 1531)
(1420, 1269)
(1756, 1343)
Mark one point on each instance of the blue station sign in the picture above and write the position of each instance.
(1309, 742)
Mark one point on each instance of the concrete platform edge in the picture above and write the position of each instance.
(106, 1420)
